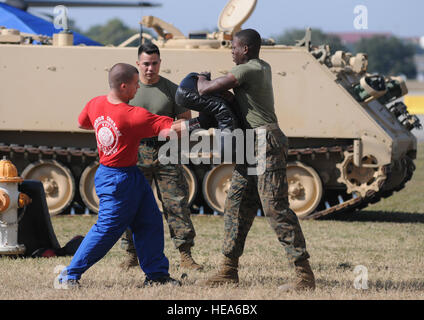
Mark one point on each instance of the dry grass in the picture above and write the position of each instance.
(387, 238)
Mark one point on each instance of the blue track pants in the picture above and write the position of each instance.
(126, 200)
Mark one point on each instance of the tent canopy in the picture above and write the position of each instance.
(13, 18)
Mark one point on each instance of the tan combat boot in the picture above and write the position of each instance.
(227, 274)
(305, 278)
(130, 261)
(187, 260)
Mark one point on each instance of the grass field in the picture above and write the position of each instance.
(386, 238)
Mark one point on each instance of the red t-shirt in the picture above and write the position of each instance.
(119, 129)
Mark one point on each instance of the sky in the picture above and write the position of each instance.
(272, 17)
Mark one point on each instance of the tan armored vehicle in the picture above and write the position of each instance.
(350, 136)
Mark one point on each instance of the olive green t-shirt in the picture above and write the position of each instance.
(254, 94)
(158, 98)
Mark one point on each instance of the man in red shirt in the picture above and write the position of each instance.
(126, 199)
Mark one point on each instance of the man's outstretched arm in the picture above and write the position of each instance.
(220, 84)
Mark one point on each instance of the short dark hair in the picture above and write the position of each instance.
(252, 39)
(121, 73)
(149, 48)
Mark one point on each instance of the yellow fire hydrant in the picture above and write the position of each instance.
(10, 200)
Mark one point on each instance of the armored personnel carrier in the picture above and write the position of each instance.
(349, 134)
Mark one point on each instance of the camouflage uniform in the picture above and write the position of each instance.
(172, 190)
(269, 190)
(254, 94)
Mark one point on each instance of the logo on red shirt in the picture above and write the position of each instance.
(107, 135)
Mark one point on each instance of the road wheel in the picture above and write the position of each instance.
(304, 188)
(192, 187)
(87, 189)
(216, 185)
(57, 180)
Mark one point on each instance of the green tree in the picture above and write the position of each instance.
(388, 56)
(318, 38)
(114, 32)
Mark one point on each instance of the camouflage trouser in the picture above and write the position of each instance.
(172, 190)
(248, 192)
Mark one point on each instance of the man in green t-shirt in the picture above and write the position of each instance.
(251, 81)
(157, 95)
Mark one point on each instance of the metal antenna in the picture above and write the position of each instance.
(141, 29)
